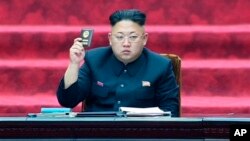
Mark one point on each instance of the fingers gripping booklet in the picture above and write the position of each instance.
(152, 111)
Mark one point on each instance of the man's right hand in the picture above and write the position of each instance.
(77, 52)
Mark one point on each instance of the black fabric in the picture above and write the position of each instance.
(106, 84)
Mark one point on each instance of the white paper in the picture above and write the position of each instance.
(152, 111)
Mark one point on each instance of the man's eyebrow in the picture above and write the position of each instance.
(125, 33)
(120, 32)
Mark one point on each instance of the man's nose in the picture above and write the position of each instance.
(126, 42)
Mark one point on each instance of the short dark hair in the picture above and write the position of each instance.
(130, 14)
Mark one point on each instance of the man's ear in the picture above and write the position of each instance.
(145, 38)
(109, 37)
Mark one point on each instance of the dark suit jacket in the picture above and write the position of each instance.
(106, 84)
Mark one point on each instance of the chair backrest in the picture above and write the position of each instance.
(176, 61)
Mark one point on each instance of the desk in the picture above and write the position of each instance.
(117, 128)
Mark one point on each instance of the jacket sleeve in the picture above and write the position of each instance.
(167, 91)
(78, 91)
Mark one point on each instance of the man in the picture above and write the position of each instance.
(124, 74)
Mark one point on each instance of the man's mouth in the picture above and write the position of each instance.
(126, 51)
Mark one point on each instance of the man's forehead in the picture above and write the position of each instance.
(127, 27)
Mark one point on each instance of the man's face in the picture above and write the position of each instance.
(127, 40)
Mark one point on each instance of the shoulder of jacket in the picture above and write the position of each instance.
(156, 57)
(98, 53)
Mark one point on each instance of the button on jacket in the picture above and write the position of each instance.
(105, 83)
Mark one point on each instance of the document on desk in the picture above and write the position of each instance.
(152, 111)
(53, 115)
(98, 114)
(53, 112)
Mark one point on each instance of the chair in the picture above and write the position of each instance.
(176, 61)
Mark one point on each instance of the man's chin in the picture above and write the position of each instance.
(127, 56)
(127, 59)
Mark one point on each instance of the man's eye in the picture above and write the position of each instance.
(119, 37)
(133, 37)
